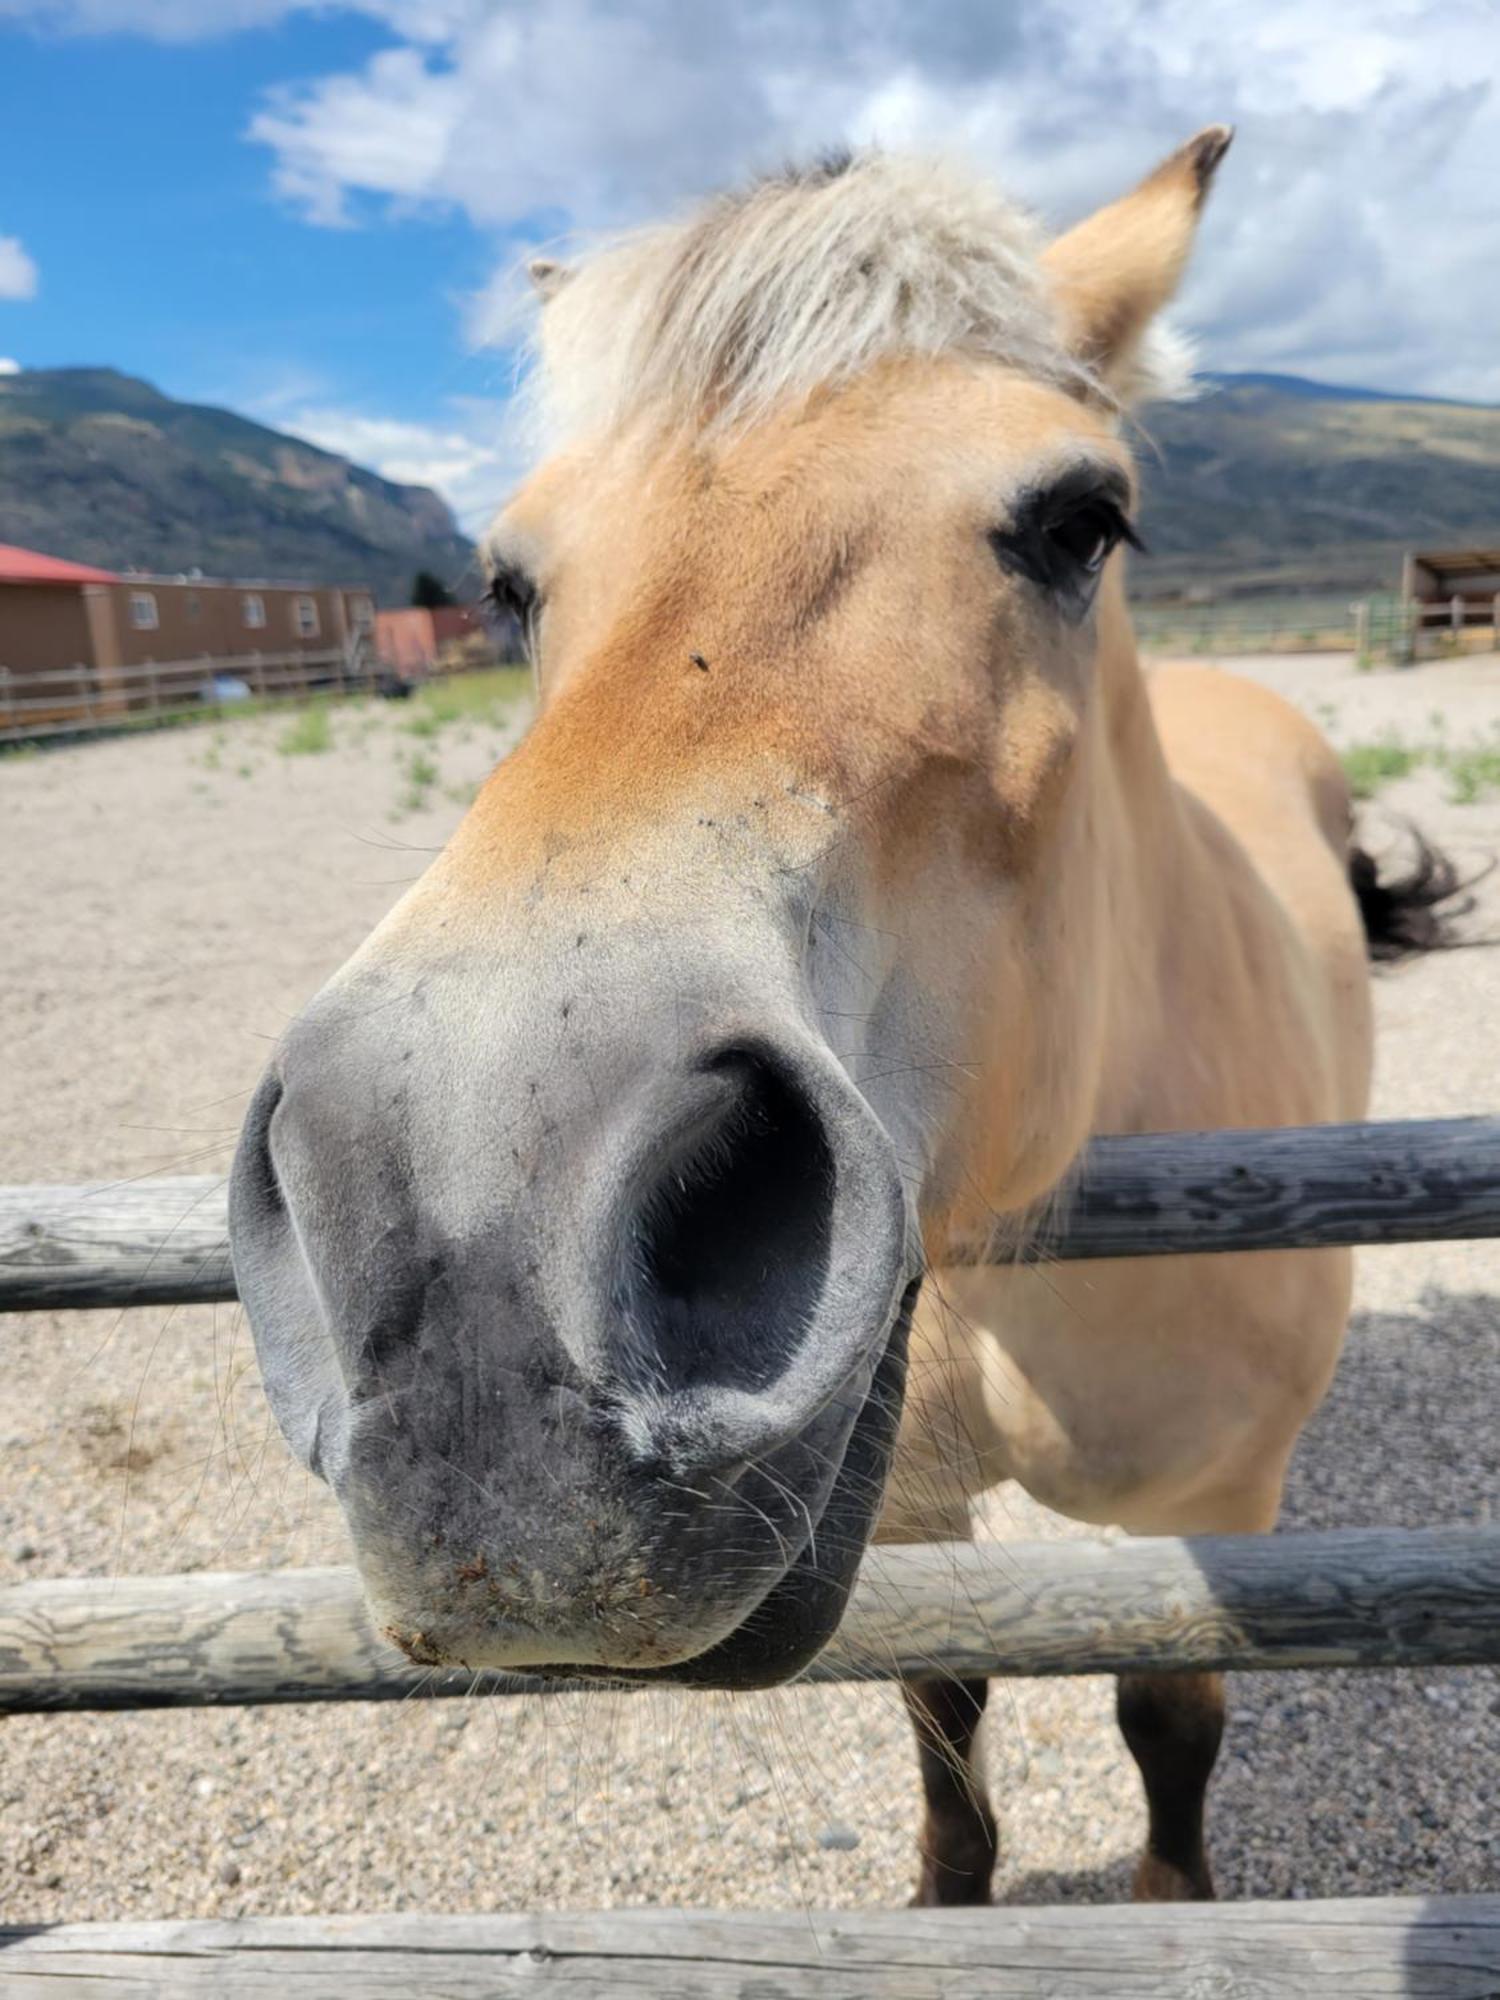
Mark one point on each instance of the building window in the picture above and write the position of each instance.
(194, 606)
(362, 611)
(254, 609)
(143, 610)
(306, 609)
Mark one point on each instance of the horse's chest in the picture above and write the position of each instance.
(1113, 1392)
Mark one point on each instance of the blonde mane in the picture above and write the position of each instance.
(800, 281)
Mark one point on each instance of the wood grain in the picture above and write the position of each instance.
(165, 1242)
(1351, 1598)
(1366, 1949)
(115, 1243)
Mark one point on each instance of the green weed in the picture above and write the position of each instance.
(310, 735)
(422, 775)
(1473, 773)
(1368, 766)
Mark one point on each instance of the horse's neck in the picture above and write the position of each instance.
(1164, 903)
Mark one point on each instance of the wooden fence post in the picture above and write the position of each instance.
(1411, 631)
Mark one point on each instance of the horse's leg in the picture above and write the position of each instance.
(1173, 1725)
(940, 1463)
(956, 1847)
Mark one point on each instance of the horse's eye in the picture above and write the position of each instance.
(514, 601)
(1087, 536)
(1061, 538)
(512, 592)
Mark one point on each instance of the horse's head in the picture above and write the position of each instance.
(579, 1217)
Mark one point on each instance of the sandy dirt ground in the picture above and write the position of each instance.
(168, 904)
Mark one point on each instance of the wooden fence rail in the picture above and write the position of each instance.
(165, 1242)
(1361, 1597)
(1351, 1598)
(1379, 1948)
(65, 701)
(1079, 1607)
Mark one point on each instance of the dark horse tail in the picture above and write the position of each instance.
(1415, 911)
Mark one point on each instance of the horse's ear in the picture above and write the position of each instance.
(547, 276)
(1111, 274)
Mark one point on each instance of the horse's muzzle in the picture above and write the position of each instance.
(599, 1339)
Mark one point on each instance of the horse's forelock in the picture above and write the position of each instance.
(804, 279)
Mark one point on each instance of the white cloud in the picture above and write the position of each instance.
(390, 127)
(1353, 232)
(18, 272)
(470, 459)
(8, 366)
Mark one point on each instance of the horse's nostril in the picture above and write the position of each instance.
(255, 1167)
(732, 1242)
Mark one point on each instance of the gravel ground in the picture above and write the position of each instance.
(170, 902)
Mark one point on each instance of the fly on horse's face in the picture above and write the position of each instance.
(580, 1217)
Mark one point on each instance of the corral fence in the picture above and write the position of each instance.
(1365, 1597)
(1380, 630)
(1312, 624)
(80, 700)
(1456, 624)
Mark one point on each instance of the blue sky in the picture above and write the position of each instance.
(165, 249)
(162, 248)
(307, 211)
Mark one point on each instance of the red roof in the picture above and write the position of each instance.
(27, 566)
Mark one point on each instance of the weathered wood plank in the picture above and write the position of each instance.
(116, 1243)
(1415, 1180)
(1352, 1598)
(165, 1242)
(1369, 1949)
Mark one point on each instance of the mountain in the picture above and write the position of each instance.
(1305, 387)
(1274, 482)
(103, 468)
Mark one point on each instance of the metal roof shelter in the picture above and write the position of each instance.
(1451, 598)
(1427, 574)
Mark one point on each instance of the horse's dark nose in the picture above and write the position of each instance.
(592, 1290)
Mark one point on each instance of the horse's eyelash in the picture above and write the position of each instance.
(511, 589)
(512, 593)
(1129, 533)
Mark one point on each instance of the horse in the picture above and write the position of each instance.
(617, 1226)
